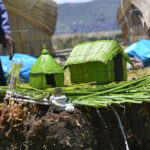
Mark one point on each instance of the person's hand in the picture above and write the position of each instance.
(8, 42)
(10, 45)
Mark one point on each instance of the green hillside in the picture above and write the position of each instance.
(99, 15)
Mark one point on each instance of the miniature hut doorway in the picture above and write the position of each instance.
(50, 79)
(118, 68)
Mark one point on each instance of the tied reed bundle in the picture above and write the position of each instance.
(134, 91)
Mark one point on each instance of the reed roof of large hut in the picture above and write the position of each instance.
(29, 9)
(32, 24)
(142, 5)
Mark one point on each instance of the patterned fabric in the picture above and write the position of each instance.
(4, 29)
(4, 23)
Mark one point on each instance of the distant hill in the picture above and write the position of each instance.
(95, 16)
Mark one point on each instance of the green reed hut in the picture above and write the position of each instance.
(99, 61)
(46, 71)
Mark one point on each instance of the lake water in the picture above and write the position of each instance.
(72, 1)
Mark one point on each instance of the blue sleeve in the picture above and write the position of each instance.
(4, 23)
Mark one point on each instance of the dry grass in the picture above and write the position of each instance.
(67, 77)
(138, 73)
(69, 41)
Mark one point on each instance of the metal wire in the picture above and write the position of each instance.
(121, 128)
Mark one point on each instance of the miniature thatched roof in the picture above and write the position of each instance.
(46, 64)
(142, 5)
(97, 51)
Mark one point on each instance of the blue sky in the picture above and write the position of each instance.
(71, 1)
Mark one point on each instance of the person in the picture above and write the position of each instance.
(5, 38)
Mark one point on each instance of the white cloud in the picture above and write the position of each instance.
(71, 1)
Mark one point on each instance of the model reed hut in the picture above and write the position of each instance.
(134, 19)
(46, 71)
(100, 61)
(32, 24)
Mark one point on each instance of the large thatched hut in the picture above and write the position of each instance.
(99, 61)
(134, 19)
(32, 24)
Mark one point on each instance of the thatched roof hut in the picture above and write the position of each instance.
(134, 19)
(46, 71)
(32, 24)
(100, 61)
